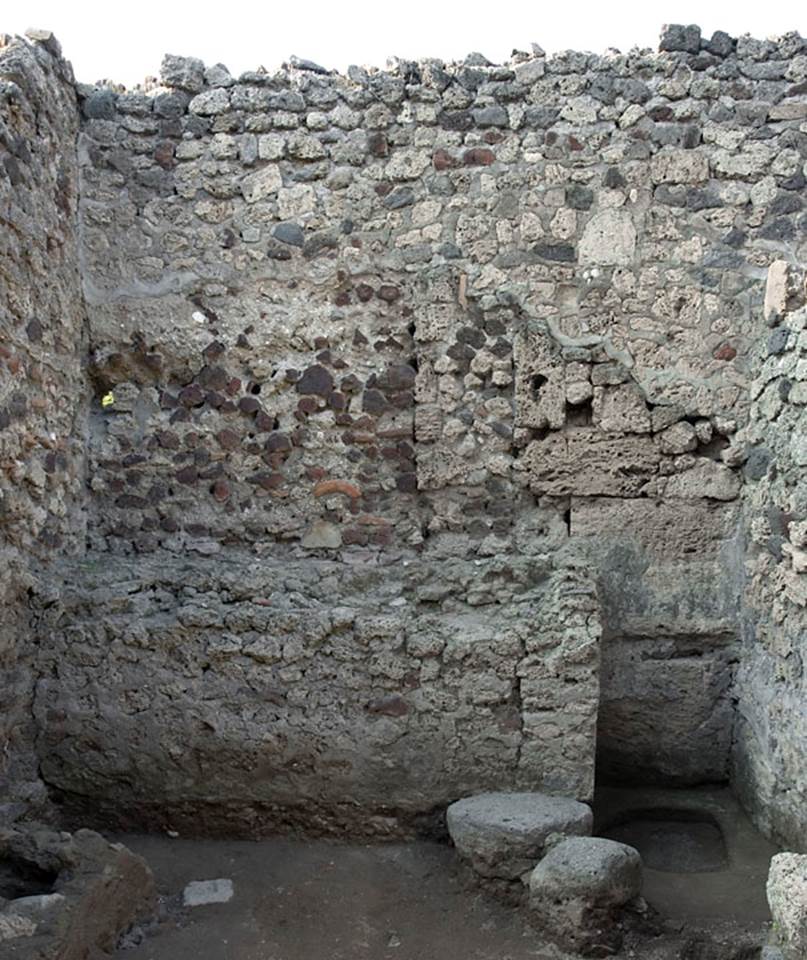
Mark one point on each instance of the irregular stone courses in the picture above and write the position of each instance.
(460, 321)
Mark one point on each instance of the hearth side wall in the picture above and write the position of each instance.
(770, 755)
(41, 382)
(430, 321)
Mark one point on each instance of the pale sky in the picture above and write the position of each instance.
(125, 41)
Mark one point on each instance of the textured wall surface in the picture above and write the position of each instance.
(42, 439)
(771, 741)
(246, 696)
(388, 369)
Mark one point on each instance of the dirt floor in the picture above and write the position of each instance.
(296, 900)
(320, 901)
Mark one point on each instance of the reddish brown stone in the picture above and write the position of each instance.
(336, 401)
(355, 536)
(307, 406)
(342, 299)
(327, 487)
(192, 395)
(187, 475)
(725, 352)
(164, 155)
(233, 387)
(221, 491)
(381, 536)
(383, 189)
(389, 706)
(364, 292)
(248, 405)
(493, 136)
(316, 380)
(168, 440)
(443, 160)
(478, 157)
(350, 384)
(377, 144)
(574, 143)
(278, 443)
(264, 422)
(228, 439)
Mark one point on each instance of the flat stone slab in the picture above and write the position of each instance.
(503, 835)
(200, 893)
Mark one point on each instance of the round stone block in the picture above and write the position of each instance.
(502, 835)
(591, 870)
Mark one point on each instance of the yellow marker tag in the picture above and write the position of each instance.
(107, 400)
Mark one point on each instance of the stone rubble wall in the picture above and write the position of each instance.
(455, 311)
(42, 392)
(248, 696)
(456, 288)
(771, 733)
(399, 329)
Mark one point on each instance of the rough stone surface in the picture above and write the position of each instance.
(362, 716)
(787, 897)
(42, 386)
(770, 749)
(502, 835)
(481, 305)
(578, 888)
(99, 890)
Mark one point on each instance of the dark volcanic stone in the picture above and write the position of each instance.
(100, 105)
(192, 395)
(613, 178)
(456, 120)
(290, 233)
(579, 198)
(402, 197)
(777, 341)
(373, 402)
(315, 380)
(756, 466)
(248, 405)
(678, 38)
(721, 44)
(377, 144)
(557, 252)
